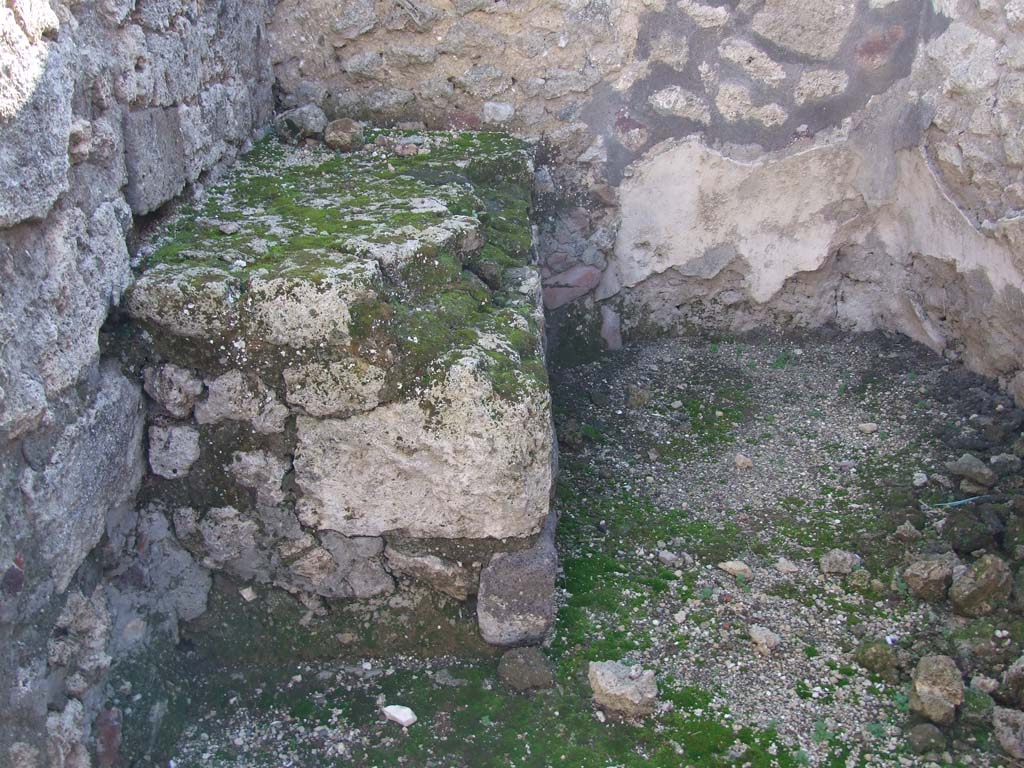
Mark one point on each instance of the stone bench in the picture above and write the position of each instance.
(344, 356)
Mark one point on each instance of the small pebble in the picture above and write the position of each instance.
(743, 462)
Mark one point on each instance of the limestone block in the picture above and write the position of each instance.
(703, 15)
(154, 157)
(185, 301)
(1015, 15)
(1009, 731)
(622, 690)
(172, 450)
(401, 55)
(339, 388)
(174, 388)
(814, 30)
(281, 307)
(263, 473)
(476, 468)
(498, 112)
(735, 102)
(982, 587)
(288, 308)
(453, 578)
(484, 81)
(69, 271)
(316, 570)
(752, 60)
(224, 540)
(35, 112)
(301, 123)
(937, 690)
(819, 84)
(80, 640)
(344, 134)
(240, 398)
(175, 588)
(929, 579)
(368, 65)
(358, 559)
(65, 736)
(355, 19)
(670, 49)
(465, 36)
(967, 58)
(212, 129)
(94, 468)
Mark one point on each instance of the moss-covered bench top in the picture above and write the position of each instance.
(403, 258)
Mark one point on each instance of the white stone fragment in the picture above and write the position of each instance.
(679, 102)
(737, 568)
(786, 567)
(498, 112)
(838, 561)
(396, 713)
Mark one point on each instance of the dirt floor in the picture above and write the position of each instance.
(818, 462)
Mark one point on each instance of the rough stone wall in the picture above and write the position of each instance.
(682, 133)
(108, 109)
(726, 162)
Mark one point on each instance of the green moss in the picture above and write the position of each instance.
(298, 213)
(712, 423)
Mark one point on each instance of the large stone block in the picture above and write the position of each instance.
(357, 340)
(35, 111)
(154, 157)
(477, 467)
(94, 469)
(59, 281)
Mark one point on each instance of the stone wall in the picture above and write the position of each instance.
(724, 163)
(108, 110)
(681, 134)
